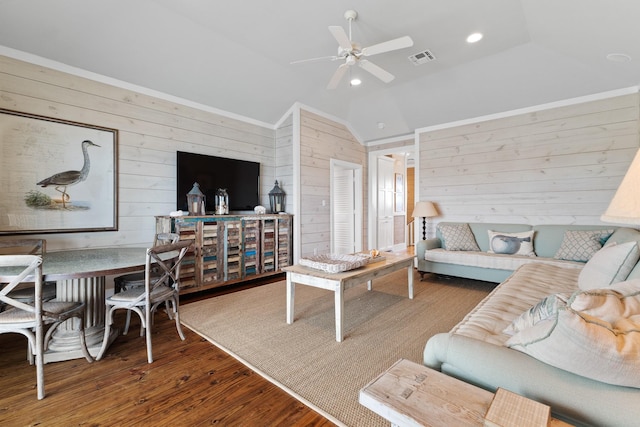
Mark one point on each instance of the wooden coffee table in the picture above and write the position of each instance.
(410, 394)
(339, 282)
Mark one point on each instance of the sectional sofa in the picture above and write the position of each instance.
(562, 332)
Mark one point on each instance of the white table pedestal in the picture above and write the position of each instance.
(65, 341)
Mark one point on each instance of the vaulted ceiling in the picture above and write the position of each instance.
(236, 55)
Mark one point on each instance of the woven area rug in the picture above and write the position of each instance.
(381, 326)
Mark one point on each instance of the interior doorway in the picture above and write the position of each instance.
(404, 189)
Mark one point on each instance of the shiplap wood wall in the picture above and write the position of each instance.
(321, 140)
(284, 161)
(555, 166)
(151, 130)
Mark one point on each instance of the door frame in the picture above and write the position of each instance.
(357, 197)
(372, 229)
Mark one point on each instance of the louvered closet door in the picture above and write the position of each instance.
(343, 211)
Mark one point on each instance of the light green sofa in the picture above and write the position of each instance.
(476, 350)
(547, 241)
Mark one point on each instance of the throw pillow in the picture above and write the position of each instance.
(580, 245)
(511, 243)
(547, 308)
(458, 237)
(597, 336)
(611, 264)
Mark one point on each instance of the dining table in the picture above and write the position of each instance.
(80, 276)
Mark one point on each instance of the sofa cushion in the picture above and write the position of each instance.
(597, 335)
(580, 245)
(458, 237)
(493, 261)
(519, 292)
(611, 264)
(511, 243)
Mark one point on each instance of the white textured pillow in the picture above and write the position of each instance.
(511, 243)
(458, 237)
(580, 245)
(611, 264)
(597, 335)
(546, 309)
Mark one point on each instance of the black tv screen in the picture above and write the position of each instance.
(240, 178)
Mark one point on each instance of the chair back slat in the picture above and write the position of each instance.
(23, 247)
(165, 238)
(32, 271)
(168, 259)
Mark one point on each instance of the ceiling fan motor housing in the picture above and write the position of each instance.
(350, 15)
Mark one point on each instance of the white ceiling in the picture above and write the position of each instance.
(235, 55)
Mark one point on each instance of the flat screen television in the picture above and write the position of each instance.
(240, 178)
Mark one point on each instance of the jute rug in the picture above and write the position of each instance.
(381, 326)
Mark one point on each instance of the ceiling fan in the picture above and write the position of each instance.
(351, 53)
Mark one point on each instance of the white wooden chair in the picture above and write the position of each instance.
(30, 319)
(25, 292)
(136, 280)
(161, 289)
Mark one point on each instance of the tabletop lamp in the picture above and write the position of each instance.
(625, 205)
(424, 210)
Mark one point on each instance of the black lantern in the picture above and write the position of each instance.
(195, 200)
(277, 199)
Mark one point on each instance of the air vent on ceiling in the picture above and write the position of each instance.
(422, 57)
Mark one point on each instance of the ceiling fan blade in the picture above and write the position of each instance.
(399, 43)
(341, 36)
(383, 75)
(337, 76)
(321, 58)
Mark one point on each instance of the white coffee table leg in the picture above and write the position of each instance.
(291, 289)
(410, 280)
(339, 302)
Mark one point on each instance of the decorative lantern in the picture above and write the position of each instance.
(222, 202)
(196, 201)
(277, 199)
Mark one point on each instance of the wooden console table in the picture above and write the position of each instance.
(339, 282)
(230, 248)
(409, 394)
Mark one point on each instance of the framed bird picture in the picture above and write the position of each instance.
(56, 176)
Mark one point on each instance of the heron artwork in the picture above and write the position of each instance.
(62, 180)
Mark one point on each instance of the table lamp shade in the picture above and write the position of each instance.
(625, 205)
(424, 210)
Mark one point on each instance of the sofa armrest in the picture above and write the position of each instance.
(576, 399)
(425, 245)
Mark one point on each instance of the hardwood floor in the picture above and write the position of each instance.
(190, 383)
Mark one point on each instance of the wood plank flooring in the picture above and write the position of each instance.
(190, 383)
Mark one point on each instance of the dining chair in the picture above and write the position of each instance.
(136, 280)
(161, 289)
(25, 292)
(29, 319)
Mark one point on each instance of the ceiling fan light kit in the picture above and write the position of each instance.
(352, 54)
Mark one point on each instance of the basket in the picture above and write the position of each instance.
(335, 263)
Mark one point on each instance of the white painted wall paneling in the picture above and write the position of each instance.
(561, 165)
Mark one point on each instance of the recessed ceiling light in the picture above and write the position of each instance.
(381, 125)
(475, 37)
(355, 82)
(618, 57)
